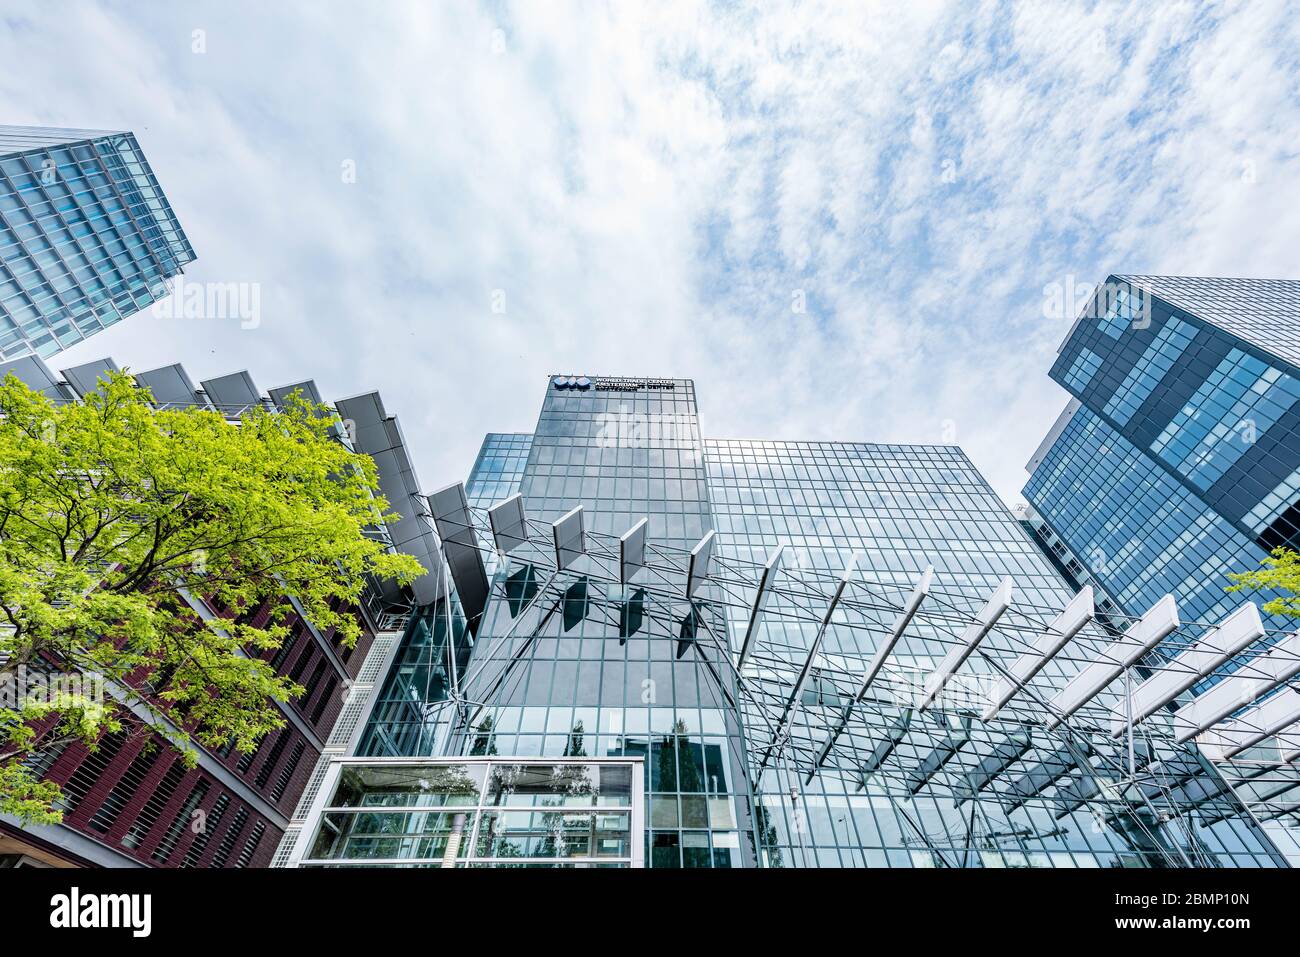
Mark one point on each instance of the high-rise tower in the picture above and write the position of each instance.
(87, 237)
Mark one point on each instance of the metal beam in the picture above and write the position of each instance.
(988, 616)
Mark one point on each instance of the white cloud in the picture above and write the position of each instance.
(649, 186)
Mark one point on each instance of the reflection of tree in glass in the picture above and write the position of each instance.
(574, 748)
(568, 781)
(665, 757)
(691, 775)
(555, 787)
(767, 836)
(484, 739)
(666, 751)
(494, 844)
(450, 780)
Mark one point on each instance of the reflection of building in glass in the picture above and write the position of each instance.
(620, 587)
(87, 237)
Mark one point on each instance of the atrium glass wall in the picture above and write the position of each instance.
(86, 236)
(479, 813)
(408, 715)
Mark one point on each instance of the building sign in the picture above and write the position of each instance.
(584, 384)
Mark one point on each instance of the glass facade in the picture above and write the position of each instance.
(499, 469)
(608, 670)
(1182, 462)
(87, 237)
(904, 796)
(589, 654)
(602, 670)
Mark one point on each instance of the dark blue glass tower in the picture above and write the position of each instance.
(1178, 460)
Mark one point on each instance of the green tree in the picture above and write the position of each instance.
(111, 510)
(1279, 572)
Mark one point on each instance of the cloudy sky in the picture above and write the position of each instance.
(848, 220)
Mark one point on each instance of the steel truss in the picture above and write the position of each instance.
(817, 674)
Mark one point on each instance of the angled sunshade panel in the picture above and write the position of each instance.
(1041, 775)
(796, 692)
(1000, 756)
(570, 538)
(232, 393)
(1116, 655)
(86, 377)
(944, 748)
(700, 566)
(804, 673)
(756, 609)
(970, 638)
(904, 619)
(877, 663)
(1252, 726)
(509, 525)
(36, 375)
(455, 527)
(1256, 677)
(1238, 630)
(170, 386)
(1064, 627)
(879, 754)
(631, 551)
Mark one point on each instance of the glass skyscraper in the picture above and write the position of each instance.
(805, 659)
(1178, 459)
(87, 237)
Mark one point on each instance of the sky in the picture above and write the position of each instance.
(845, 221)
